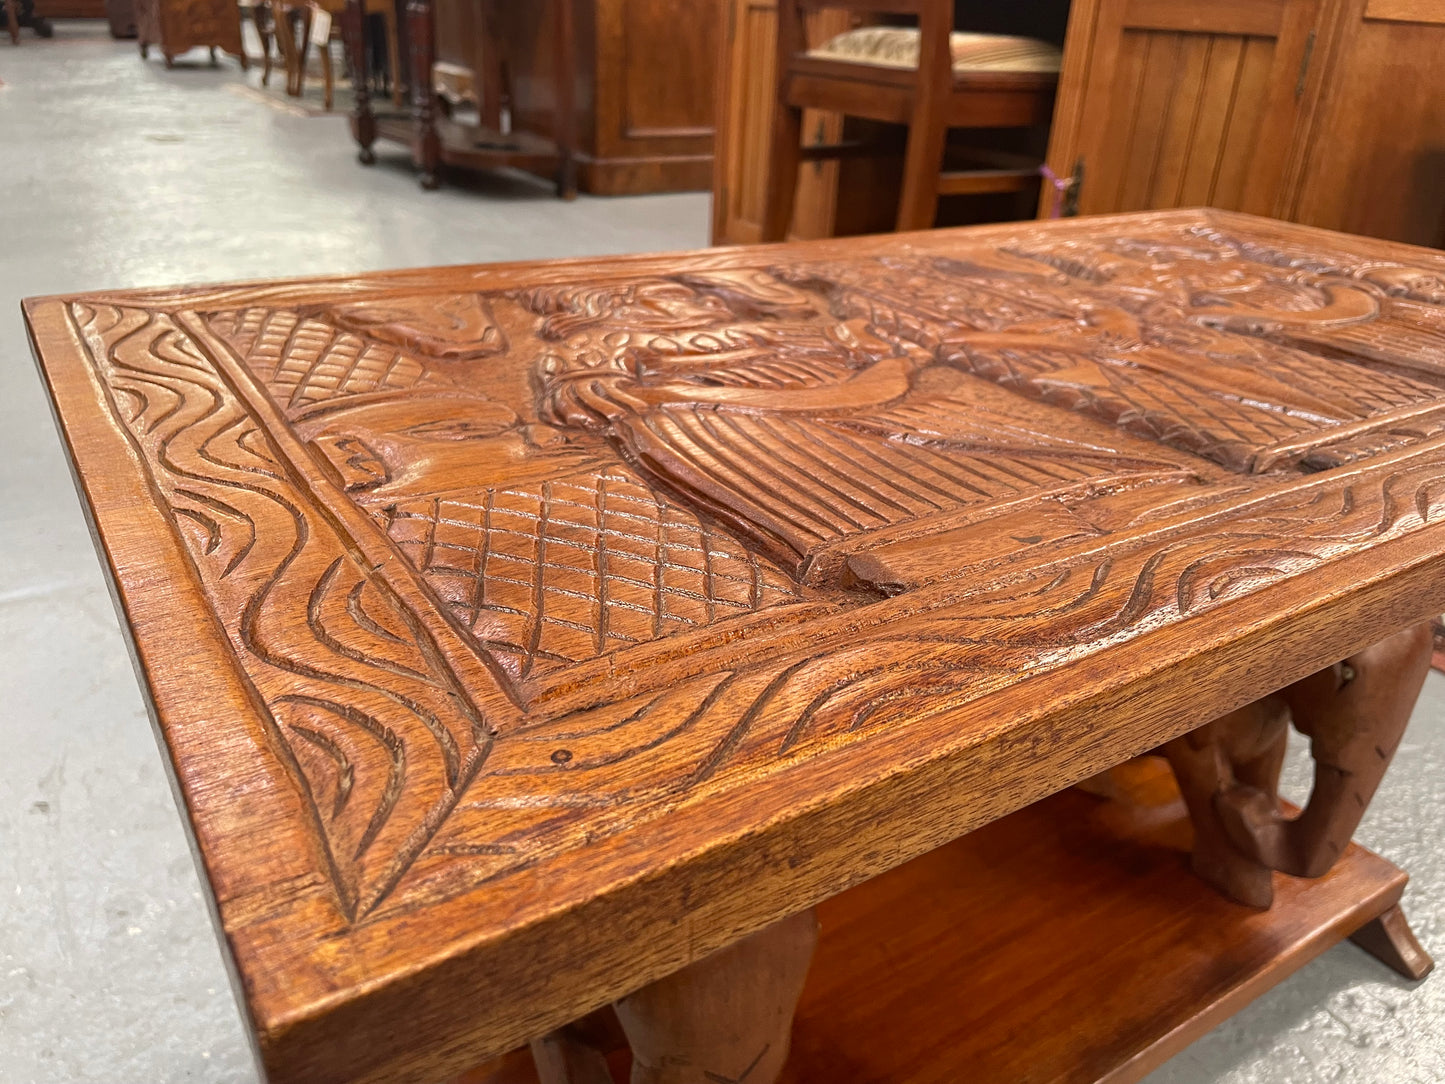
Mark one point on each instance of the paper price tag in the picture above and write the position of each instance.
(320, 25)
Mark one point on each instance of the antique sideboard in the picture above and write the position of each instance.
(179, 25)
(539, 647)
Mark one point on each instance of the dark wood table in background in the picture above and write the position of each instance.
(612, 96)
(533, 637)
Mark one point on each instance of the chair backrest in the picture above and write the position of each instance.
(935, 23)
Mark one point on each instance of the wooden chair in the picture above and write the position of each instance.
(292, 23)
(927, 78)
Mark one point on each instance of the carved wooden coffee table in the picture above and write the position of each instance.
(523, 634)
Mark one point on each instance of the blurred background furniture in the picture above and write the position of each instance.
(69, 9)
(295, 27)
(855, 193)
(640, 79)
(178, 25)
(22, 13)
(1324, 112)
(437, 136)
(929, 79)
(121, 15)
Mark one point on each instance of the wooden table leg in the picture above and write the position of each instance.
(1354, 714)
(426, 144)
(363, 120)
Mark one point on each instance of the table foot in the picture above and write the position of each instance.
(727, 1018)
(1390, 940)
(1354, 714)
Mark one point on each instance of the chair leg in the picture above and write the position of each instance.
(922, 164)
(326, 84)
(784, 162)
(263, 31)
(928, 127)
(303, 51)
(285, 33)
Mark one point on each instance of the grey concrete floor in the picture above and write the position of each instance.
(115, 172)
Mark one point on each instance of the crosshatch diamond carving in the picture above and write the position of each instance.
(305, 361)
(567, 570)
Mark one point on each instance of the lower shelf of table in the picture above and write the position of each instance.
(469, 146)
(1066, 944)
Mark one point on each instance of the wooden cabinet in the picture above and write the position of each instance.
(644, 80)
(1183, 102)
(1375, 161)
(1327, 112)
(178, 25)
(745, 108)
(655, 70)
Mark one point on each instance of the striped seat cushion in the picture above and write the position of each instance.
(897, 47)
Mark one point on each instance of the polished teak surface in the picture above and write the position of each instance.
(522, 634)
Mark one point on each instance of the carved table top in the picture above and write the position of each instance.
(521, 633)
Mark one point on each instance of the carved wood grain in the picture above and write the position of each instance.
(582, 618)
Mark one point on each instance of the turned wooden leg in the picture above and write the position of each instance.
(1354, 714)
(363, 120)
(724, 1019)
(1391, 941)
(426, 146)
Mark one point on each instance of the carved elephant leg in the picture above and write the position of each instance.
(1354, 714)
(576, 1054)
(727, 1018)
(1244, 747)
